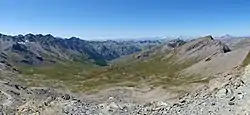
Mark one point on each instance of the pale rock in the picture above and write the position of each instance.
(221, 93)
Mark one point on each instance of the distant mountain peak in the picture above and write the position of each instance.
(227, 36)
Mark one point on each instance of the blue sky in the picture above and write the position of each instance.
(98, 19)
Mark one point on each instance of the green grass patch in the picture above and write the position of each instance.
(82, 76)
(66, 74)
(156, 71)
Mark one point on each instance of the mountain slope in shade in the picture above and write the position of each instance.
(45, 49)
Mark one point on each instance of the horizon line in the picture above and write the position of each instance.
(126, 38)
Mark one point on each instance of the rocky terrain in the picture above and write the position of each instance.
(227, 94)
(201, 76)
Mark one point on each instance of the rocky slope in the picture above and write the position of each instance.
(227, 94)
(171, 67)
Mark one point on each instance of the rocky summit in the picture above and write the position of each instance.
(47, 75)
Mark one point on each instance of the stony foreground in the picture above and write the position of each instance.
(225, 95)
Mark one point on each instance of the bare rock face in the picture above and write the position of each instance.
(225, 48)
(175, 43)
(201, 48)
(161, 49)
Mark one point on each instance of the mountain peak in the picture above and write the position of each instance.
(49, 35)
(227, 36)
(209, 37)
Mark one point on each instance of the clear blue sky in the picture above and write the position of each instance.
(91, 19)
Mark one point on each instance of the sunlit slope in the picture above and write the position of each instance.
(162, 66)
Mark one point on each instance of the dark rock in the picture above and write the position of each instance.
(183, 101)
(66, 96)
(208, 59)
(15, 93)
(45, 103)
(176, 105)
(232, 98)
(40, 58)
(231, 103)
(17, 87)
(225, 49)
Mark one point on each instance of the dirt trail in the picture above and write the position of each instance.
(8, 101)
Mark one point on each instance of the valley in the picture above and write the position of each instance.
(42, 74)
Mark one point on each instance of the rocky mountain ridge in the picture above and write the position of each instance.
(46, 49)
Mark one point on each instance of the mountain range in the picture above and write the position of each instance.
(43, 74)
(45, 49)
